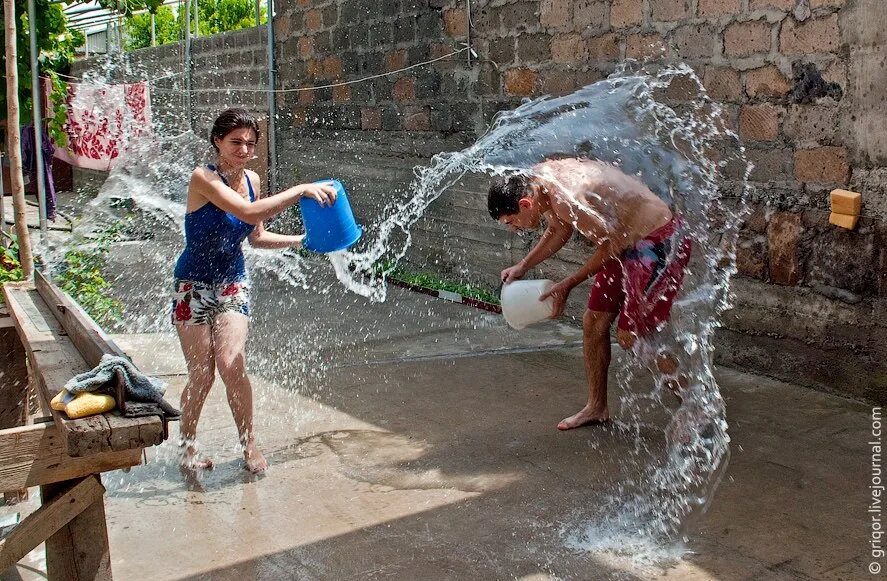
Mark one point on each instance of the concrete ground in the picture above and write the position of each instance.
(416, 440)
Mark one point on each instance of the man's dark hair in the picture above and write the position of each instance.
(228, 121)
(505, 195)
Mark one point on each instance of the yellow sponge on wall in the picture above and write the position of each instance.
(843, 220)
(844, 202)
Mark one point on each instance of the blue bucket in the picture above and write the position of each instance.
(329, 228)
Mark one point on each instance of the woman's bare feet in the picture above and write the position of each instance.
(255, 461)
(585, 417)
(190, 458)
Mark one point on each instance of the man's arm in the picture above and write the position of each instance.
(553, 239)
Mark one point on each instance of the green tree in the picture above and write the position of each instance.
(226, 15)
(55, 45)
(138, 28)
(214, 16)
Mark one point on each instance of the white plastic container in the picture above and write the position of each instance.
(521, 305)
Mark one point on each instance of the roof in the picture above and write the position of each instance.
(89, 17)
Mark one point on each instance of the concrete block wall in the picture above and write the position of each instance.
(223, 65)
(803, 83)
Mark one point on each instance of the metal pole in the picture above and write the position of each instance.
(153, 31)
(196, 20)
(258, 12)
(38, 118)
(272, 104)
(188, 62)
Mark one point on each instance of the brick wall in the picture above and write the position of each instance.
(803, 82)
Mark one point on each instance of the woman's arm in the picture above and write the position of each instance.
(261, 238)
(210, 186)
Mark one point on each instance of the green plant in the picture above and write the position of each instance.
(81, 277)
(391, 270)
(10, 267)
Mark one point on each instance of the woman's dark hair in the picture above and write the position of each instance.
(505, 195)
(228, 121)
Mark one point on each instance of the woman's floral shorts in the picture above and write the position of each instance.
(198, 303)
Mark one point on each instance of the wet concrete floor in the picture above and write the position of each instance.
(416, 440)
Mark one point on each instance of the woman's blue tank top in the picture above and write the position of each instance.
(213, 239)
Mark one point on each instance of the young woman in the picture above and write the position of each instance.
(211, 305)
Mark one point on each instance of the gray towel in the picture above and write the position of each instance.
(137, 386)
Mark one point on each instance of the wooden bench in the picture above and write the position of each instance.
(64, 457)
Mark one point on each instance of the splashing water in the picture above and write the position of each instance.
(658, 124)
(655, 123)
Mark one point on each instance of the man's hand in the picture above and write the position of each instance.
(513, 273)
(626, 338)
(558, 294)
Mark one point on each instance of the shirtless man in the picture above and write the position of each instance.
(636, 267)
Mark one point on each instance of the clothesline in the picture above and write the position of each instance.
(298, 89)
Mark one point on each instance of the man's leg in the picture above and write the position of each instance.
(596, 348)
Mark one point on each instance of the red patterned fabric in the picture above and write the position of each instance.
(102, 119)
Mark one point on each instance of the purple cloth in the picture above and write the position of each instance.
(29, 164)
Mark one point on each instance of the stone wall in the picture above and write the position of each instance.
(803, 82)
(223, 64)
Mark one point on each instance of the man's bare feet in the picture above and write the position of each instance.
(585, 417)
(255, 461)
(190, 458)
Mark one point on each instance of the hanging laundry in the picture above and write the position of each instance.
(102, 119)
(29, 165)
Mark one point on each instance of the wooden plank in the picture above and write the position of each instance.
(48, 520)
(91, 341)
(35, 455)
(78, 550)
(54, 360)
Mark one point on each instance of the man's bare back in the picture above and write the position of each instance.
(600, 201)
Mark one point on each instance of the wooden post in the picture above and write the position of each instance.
(88, 532)
(13, 142)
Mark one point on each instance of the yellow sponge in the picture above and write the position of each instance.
(84, 404)
(843, 220)
(848, 203)
(59, 402)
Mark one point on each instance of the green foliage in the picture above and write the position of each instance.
(214, 16)
(128, 7)
(432, 281)
(82, 278)
(55, 44)
(225, 15)
(138, 29)
(10, 267)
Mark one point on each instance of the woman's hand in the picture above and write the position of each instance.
(558, 293)
(513, 273)
(322, 193)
